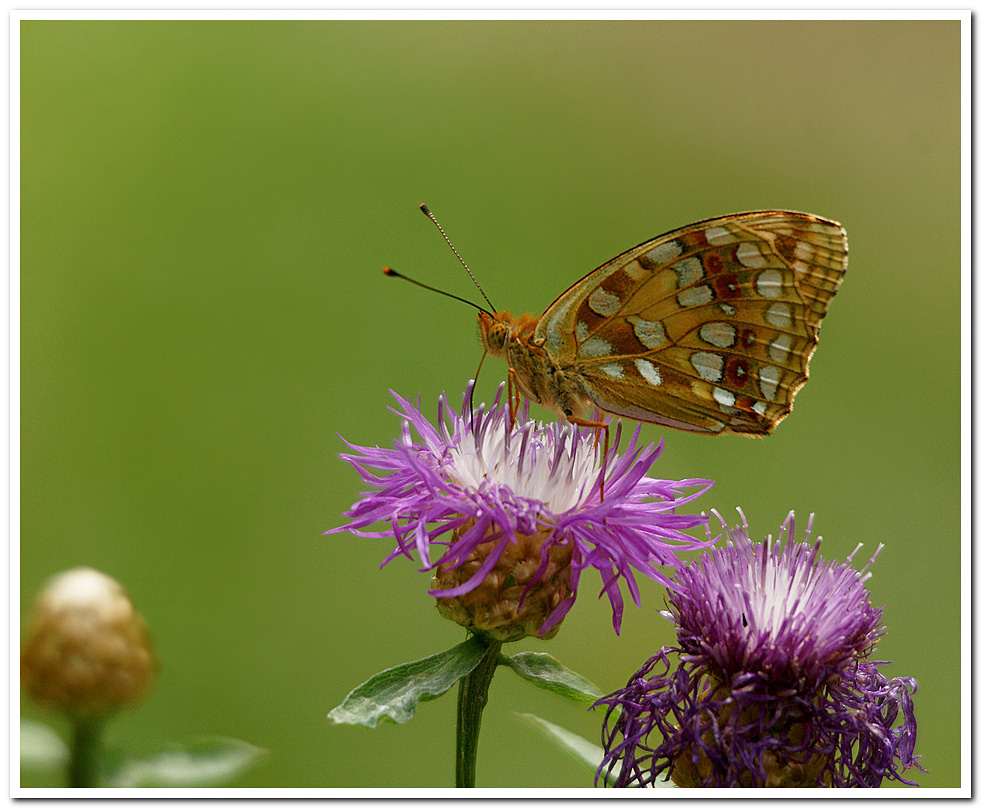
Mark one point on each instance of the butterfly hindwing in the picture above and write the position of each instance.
(709, 328)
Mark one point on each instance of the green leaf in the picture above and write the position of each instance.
(546, 672)
(40, 747)
(202, 762)
(392, 695)
(583, 751)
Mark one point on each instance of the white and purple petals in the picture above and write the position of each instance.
(777, 607)
(517, 480)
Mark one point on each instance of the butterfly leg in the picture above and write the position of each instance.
(514, 402)
(599, 426)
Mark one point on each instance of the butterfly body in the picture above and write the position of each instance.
(709, 328)
(534, 370)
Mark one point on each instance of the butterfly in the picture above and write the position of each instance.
(709, 328)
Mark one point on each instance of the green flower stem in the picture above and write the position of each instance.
(83, 766)
(472, 696)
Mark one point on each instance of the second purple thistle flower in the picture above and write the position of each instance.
(514, 514)
(771, 685)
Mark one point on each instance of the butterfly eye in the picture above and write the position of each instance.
(497, 336)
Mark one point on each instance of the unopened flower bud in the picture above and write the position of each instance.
(88, 652)
(496, 607)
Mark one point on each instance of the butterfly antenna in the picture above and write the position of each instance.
(390, 272)
(446, 238)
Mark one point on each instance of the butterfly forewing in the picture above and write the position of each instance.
(708, 328)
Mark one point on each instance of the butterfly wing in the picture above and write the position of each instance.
(709, 328)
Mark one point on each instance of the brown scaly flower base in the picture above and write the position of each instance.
(784, 768)
(495, 607)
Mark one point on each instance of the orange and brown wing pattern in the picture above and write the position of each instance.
(708, 328)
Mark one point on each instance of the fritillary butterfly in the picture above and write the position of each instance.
(709, 328)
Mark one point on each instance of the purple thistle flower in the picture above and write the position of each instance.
(772, 687)
(515, 514)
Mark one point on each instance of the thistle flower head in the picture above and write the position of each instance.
(772, 685)
(510, 516)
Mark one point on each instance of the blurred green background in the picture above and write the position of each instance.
(206, 208)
